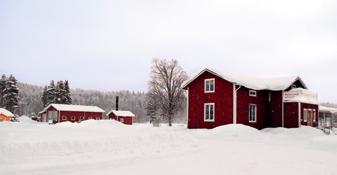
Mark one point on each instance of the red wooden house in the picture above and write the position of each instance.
(215, 99)
(73, 113)
(125, 117)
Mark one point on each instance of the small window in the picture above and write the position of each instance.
(73, 118)
(305, 115)
(209, 110)
(64, 118)
(314, 115)
(252, 93)
(121, 120)
(252, 113)
(82, 118)
(209, 85)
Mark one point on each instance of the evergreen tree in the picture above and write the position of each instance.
(11, 94)
(60, 92)
(67, 93)
(51, 93)
(44, 97)
(2, 88)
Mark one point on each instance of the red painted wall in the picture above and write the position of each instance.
(276, 109)
(290, 115)
(125, 120)
(309, 106)
(222, 97)
(243, 101)
(78, 115)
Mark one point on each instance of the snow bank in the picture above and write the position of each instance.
(25, 119)
(303, 131)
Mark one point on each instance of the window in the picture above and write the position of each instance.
(314, 115)
(305, 115)
(209, 109)
(82, 118)
(252, 93)
(121, 120)
(209, 85)
(252, 113)
(64, 118)
(73, 118)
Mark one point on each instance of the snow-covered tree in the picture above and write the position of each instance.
(166, 82)
(68, 99)
(11, 94)
(2, 88)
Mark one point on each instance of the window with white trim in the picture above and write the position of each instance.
(64, 118)
(209, 85)
(252, 93)
(82, 118)
(73, 118)
(305, 115)
(252, 113)
(314, 115)
(209, 112)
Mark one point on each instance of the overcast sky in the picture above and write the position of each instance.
(109, 45)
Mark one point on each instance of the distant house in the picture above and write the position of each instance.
(125, 117)
(72, 113)
(6, 115)
(214, 99)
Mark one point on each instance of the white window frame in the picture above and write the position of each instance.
(82, 118)
(249, 114)
(314, 115)
(305, 115)
(205, 85)
(205, 110)
(252, 93)
(64, 117)
(73, 118)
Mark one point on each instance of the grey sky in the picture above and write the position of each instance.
(109, 45)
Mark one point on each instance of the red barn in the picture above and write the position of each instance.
(215, 99)
(73, 113)
(125, 117)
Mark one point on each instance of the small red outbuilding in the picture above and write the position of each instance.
(73, 113)
(125, 117)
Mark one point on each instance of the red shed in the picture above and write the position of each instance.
(125, 117)
(214, 99)
(72, 113)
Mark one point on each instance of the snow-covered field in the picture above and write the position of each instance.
(108, 147)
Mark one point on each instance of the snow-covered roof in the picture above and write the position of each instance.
(122, 113)
(251, 82)
(65, 107)
(327, 109)
(300, 95)
(6, 112)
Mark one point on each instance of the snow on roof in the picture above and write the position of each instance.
(6, 112)
(300, 95)
(327, 109)
(64, 107)
(251, 82)
(122, 113)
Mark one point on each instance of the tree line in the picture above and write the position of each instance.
(9, 93)
(59, 93)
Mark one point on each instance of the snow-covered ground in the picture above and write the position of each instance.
(108, 147)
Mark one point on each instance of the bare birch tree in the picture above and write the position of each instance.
(165, 85)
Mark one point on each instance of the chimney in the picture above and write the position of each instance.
(117, 101)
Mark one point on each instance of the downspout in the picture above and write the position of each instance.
(282, 108)
(299, 114)
(235, 90)
(187, 103)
